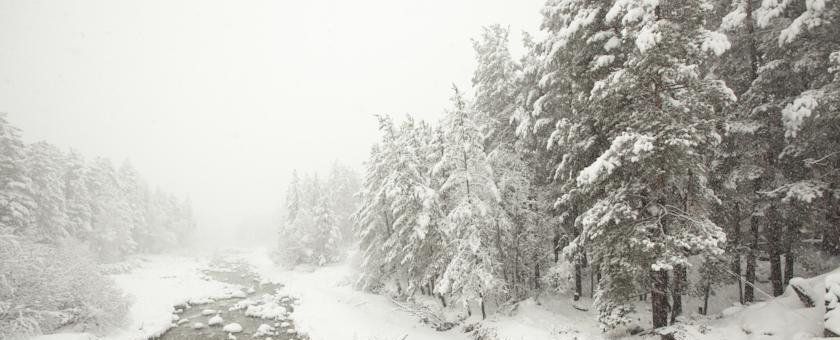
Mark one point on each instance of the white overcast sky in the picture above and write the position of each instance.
(220, 100)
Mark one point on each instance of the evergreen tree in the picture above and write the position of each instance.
(16, 204)
(44, 168)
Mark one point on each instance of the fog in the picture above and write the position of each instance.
(219, 101)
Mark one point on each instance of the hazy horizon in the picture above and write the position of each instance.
(218, 110)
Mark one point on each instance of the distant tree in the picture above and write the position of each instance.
(16, 204)
(44, 165)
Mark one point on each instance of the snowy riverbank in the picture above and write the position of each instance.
(331, 309)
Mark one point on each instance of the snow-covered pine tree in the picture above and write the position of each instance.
(495, 82)
(649, 187)
(293, 199)
(111, 216)
(288, 232)
(579, 49)
(788, 75)
(44, 167)
(472, 201)
(16, 204)
(374, 220)
(76, 195)
(342, 185)
(136, 195)
(323, 238)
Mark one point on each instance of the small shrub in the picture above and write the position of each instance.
(45, 287)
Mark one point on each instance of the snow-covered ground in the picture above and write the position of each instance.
(155, 286)
(331, 309)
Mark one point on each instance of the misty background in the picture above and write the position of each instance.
(219, 101)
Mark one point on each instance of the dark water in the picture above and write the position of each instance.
(235, 273)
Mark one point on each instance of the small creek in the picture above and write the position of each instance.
(238, 274)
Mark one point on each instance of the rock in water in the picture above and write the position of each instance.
(216, 320)
(207, 312)
(232, 328)
(264, 329)
(198, 325)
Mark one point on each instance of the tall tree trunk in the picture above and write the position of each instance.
(749, 286)
(483, 312)
(577, 259)
(680, 277)
(774, 249)
(754, 58)
(736, 249)
(659, 298)
(791, 235)
(516, 263)
(707, 290)
(831, 229)
(578, 283)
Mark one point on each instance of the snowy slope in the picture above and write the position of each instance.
(332, 309)
(155, 286)
(781, 318)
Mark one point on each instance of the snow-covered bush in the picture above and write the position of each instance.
(43, 288)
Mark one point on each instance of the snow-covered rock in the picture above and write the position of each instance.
(208, 312)
(216, 320)
(201, 301)
(263, 330)
(198, 325)
(269, 310)
(232, 328)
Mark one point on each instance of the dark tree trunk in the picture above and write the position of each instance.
(442, 300)
(483, 312)
(831, 230)
(578, 282)
(659, 298)
(774, 249)
(736, 250)
(536, 275)
(680, 276)
(707, 290)
(578, 267)
(791, 236)
(749, 286)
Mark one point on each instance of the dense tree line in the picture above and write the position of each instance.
(47, 195)
(316, 226)
(637, 142)
(61, 215)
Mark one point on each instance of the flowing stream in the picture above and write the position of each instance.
(231, 310)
